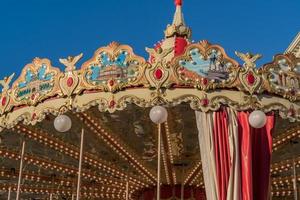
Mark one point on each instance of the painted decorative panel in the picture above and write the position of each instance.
(113, 67)
(37, 81)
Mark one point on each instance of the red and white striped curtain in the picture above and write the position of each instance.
(235, 157)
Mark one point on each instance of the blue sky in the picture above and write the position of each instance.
(58, 28)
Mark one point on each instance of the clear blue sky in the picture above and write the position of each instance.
(58, 28)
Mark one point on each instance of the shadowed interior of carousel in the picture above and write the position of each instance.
(121, 148)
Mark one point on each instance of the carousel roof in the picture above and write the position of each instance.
(110, 96)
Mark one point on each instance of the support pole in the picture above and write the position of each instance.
(295, 181)
(51, 196)
(79, 168)
(158, 162)
(127, 190)
(182, 184)
(20, 171)
(9, 193)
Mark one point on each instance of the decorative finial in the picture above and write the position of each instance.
(248, 58)
(178, 27)
(70, 62)
(5, 82)
(178, 2)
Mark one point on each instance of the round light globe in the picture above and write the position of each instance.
(62, 123)
(158, 114)
(257, 119)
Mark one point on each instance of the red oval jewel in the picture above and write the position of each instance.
(204, 81)
(33, 116)
(293, 92)
(158, 74)
(291, 112)
(32, 96)
(111, 82)
(70, 81)
(3, 101)
(112, 103)
(204, 102)
(250, 78)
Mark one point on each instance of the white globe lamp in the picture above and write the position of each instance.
(257, 119)
(62, 123)
(158, 114)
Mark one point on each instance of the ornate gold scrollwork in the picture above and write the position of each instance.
(114, 77)
(282, 76)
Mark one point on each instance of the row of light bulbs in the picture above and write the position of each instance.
(39, 162)
(285, 165)
(285, 138)
(115, 144)
(38, 189)
(193, 172)
(73, 152)
(166, 166)
(37, 178)
(170, 154)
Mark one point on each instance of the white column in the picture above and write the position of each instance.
(20, 171)
(9, 193)
(79, 168)
(182, 184)
(158, 162)
(295, 181)
(127, 190)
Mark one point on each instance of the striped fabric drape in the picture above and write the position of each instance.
(235, 157)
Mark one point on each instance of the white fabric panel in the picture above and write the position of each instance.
(205, 135)
(234, 186)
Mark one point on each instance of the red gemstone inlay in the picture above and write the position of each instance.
(204, 81)
(250, 78)
(158, 74)
(111, 82)
(293, 92)
(3, 101)
(32, 96)
(33, 116)
(70, 81)
(112, 104)
(204, 102)
(291, 112)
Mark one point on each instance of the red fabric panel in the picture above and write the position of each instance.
(222, 152)
(148, 195)
(246, 155)
(262, 151)
(172, 192)
(199, 194)
(256, 150)
(180, 44)
(166, 192)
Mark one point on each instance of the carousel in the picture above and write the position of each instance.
(187, 123)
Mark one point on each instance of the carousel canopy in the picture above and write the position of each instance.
(110, 97)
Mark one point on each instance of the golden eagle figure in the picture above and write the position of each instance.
(70, 62)
(248, 58)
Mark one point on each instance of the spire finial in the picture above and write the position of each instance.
(178, 26)
(178, 2)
